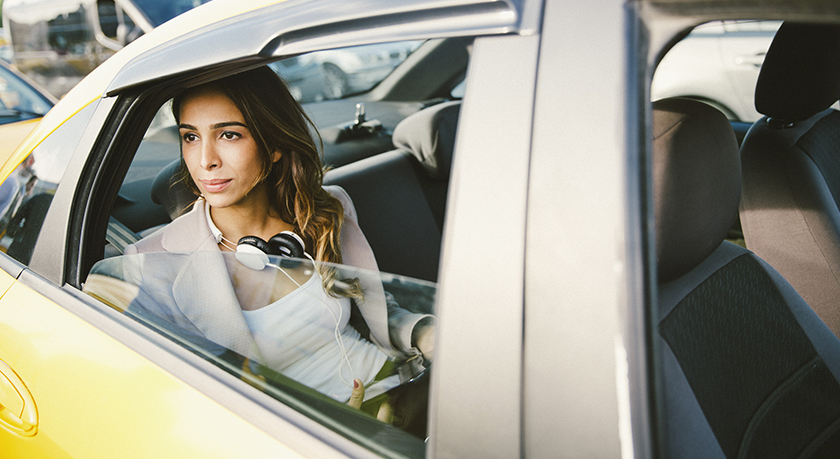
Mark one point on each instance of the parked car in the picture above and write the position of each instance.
(568, 234)
(21, 101)
(57, 43)
(22, 104)
(718, 63)
(336, 73)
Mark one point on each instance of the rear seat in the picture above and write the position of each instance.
(400, 195)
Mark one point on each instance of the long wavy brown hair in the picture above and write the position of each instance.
(279, 123)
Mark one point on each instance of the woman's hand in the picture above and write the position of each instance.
(358, 394)
(385, 413)
(424, 340)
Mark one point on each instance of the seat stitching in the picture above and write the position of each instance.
(771, 400)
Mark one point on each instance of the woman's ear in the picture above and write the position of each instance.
(276, 156)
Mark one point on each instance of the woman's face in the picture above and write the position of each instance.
(219, 150)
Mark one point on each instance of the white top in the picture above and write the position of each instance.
(297, 337)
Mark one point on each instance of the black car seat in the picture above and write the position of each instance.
(791, 165)
(747, 369)
(170, 192)
(400, 195)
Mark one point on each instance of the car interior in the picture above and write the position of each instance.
(789, 209)
(739, 347)
(748, 359)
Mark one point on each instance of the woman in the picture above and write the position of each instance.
(248, 154)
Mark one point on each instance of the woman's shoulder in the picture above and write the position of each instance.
(180, 235)
(341, 194)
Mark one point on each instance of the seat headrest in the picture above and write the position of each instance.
(696, 183)
(430, 136)
(171, 193)
(800, 76)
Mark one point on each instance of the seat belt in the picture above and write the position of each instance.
(119, 235)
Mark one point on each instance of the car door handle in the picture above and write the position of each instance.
(751, 59)
(18, 412)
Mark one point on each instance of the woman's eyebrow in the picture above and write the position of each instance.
(215, 126)
(228, 123)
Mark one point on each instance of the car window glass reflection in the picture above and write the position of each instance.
(277, 322)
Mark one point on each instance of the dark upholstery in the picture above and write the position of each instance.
(430, 136)
(791, 165)
(748, 370)
(175, 197)
(693, 224)
(801, 72)
(400, 196)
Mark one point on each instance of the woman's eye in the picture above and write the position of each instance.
(189, 137)
(230, 135)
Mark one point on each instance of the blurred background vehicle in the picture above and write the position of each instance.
(336, 73)
(22, 104)
(58, 42)
(717, 63)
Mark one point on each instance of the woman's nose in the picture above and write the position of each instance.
(209, 156)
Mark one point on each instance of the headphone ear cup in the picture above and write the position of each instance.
(255, 241)
(253, 252)
(287, 244)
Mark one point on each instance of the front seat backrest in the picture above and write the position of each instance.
(748, 370)
(791, 165)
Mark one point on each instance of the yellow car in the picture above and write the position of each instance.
(22, 104)
(594, 290)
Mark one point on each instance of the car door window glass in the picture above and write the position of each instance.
(302, 346)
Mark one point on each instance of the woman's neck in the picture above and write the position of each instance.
(236, 222)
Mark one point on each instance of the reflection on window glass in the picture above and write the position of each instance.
(25, 196)
(336, 73)
(276, 326)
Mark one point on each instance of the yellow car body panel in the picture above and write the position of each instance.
(6, 281)
(96, 83)
(74, 371)
(13, 134)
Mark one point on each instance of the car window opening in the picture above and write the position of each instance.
(398, 195)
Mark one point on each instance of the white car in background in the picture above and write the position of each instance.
(336, 73)
(718, 63)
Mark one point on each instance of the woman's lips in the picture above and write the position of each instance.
(216, 185)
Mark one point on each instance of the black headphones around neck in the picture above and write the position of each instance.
(253, 251)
